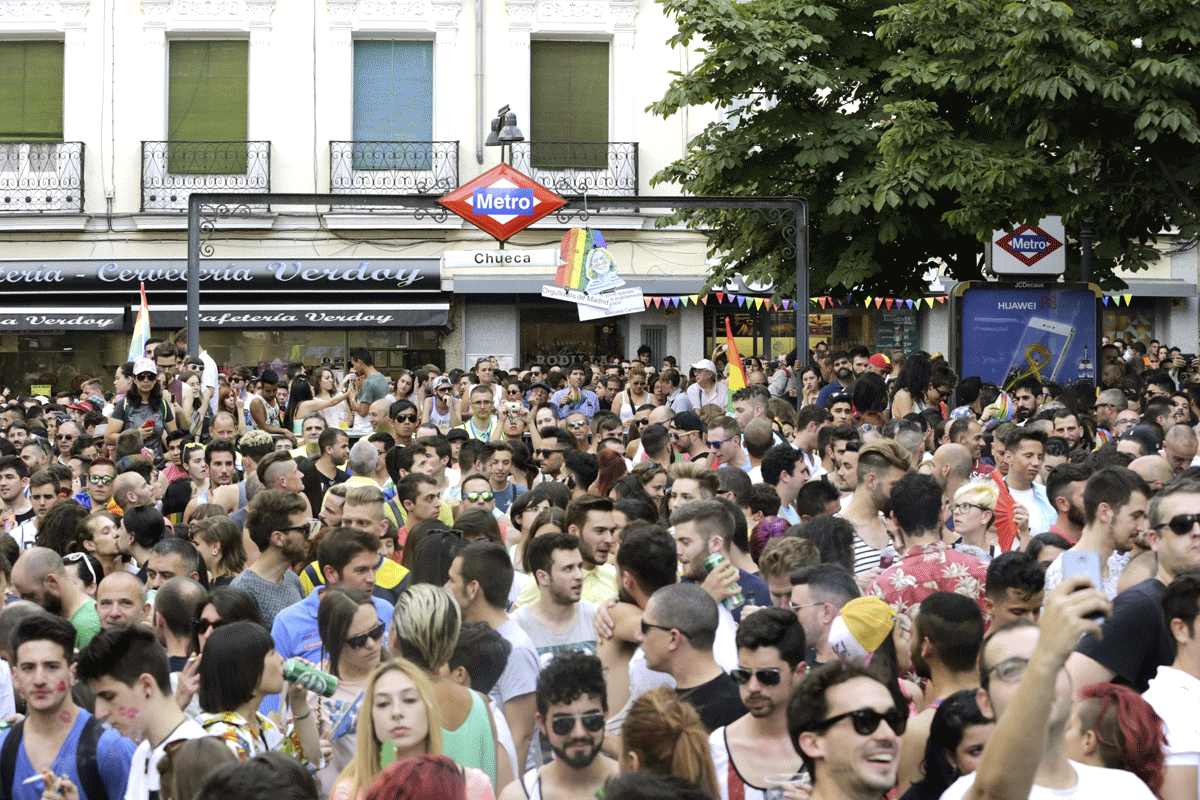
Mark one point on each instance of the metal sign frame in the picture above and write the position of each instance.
(206, 209)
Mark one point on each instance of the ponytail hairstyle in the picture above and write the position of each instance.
(668, 737)
(1128, 731)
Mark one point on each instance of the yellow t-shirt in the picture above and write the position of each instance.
(599, 585)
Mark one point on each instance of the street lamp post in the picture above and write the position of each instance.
(504, 133)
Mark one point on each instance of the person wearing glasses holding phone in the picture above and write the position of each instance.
(756, 745)
(572, 706)
(144, 408)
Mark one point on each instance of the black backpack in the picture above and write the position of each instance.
(90, 782)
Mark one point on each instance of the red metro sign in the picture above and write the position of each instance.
(502, 201)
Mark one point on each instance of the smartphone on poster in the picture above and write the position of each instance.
(1041, 334)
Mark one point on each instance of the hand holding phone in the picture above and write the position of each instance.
(1085, 564)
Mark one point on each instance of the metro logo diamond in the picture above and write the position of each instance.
(1029, 244)
(502, 201)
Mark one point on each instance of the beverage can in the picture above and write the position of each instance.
(311, 678)
(712, 562)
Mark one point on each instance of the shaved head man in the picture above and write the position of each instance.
(1109, 404)
(951, 468)
(131, 489)
(1179, 447)
(120, 600)
(1154, 470)
(40, 576)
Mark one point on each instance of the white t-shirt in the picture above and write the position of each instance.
(143, 774)
(1175, 695)
(1038, 523)
(1095, 783)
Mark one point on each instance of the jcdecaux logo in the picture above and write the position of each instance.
(498, 200)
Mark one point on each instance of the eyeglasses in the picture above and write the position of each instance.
(65, 437)
(546, 453)
(475, 497)
(1180, 524)
(71, 558)
(146, 376)
(406, 418)
(579, 423)
(866, 721)
(593, 722)
(1010, 670)
(202, 625)
(360, 641)
(98, 480)
(715, 445)
(1105, 405)
(308, 528)
(798, 606)
(963, 507)
(767, 677)
(646, 626)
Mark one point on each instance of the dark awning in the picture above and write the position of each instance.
(61, 319)
(307, 315)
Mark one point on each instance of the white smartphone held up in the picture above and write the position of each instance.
(1080, 562)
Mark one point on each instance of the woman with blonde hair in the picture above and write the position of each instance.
(404, 722)
(664, 734)
(974, 510)
(425, 627)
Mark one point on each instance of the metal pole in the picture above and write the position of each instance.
(1085, 251)
(193, 278)
(801, 297)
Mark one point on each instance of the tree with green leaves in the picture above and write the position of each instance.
(913, 132)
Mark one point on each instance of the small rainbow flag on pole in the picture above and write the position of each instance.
(141, 330)
(737, 373)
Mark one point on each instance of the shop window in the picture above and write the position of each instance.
(207, 101)
(568, 104)
(31, 94)
(555, 336)
(1133, 323)
(393, 102)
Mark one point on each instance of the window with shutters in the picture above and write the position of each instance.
(207, 107)
(568, 99)
(393, 104)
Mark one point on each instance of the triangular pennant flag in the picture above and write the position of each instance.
(1105, 299)
(867, 302)
(911, 303)
(675, 301)
(646, 299)
(741, 301)
(658, 301)
(1128, 299)
(942, 299)
(821, 301)
(758, 303)
(929, 302)
(720, 297)
(786, 304)
(878, 302)
(704, 299)
(888, 302)
(695, 298)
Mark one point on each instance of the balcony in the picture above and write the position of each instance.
(41, 177)
(608, 169)
(171, 171)
(403, 168)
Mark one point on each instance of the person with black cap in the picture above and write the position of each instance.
(687, 436)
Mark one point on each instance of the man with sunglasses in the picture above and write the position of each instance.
(1136, 642)
(572, 705)
(346, 557)
(687, 436)
(725, 443)
(770, 663)
(100, 476)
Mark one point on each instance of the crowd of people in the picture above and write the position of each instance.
(618, 579)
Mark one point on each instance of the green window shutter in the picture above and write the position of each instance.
(568, 102)
(31, 94)
(207, 101)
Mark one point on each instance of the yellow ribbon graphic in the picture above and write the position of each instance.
(1033, 353)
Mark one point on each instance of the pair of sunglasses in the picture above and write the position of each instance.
(360, 641)
(767, 677)
(593, 721)
(1181, 524)
(866, 721)
(475, 497)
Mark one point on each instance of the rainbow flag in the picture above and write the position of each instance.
(737, 373)
(141, 330)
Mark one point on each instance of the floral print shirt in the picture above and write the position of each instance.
(926, 569)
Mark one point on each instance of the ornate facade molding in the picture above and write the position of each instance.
(44, 16)
(252, 16)
(400, 16)
(608, 17)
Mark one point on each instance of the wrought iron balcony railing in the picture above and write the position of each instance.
(578, 168)
(405, 168)
(41, 177)
(171, 171)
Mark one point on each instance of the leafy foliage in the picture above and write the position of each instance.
(914, 130)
